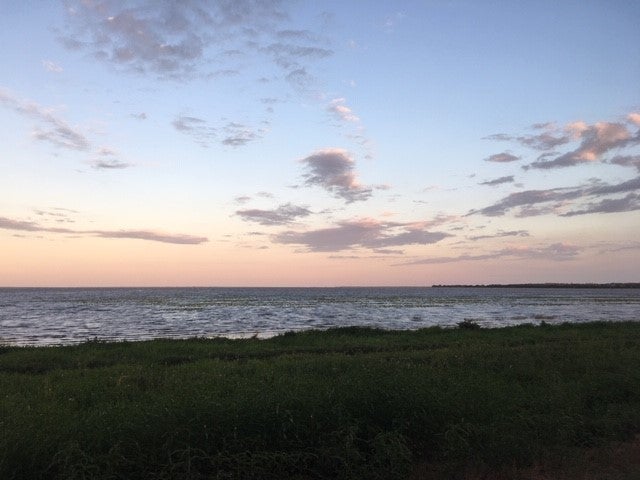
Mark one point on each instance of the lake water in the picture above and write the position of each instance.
(66, 316)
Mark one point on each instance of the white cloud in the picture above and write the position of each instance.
(341, 111)
(634, 118)
(52, 67)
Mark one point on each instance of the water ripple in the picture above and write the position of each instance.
(66, 316)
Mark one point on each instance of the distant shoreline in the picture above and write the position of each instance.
(545, 285)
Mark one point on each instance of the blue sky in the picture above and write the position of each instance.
(263, 142)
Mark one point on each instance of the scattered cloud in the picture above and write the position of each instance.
(503, 157)
(50, 127)
(151, 236)
(388, 251)
(29, 226)
(300, 79)
(365, 233)
(634, 118)
(237, 134)
(341, 111)
(139, 116)
(109, 165)
(390, 23)
(231, 134)
(501, 234)
(107, 160)
(288, 55)
(627, 161)
(620, 247)
(595, 142)
(197, 128)
(609, 205)
(498, 181)
(242, 199)
(557, 200)
(52, 67)
(187, 124)
(283, 215)
(555, 252)
(333, 170)
(58, 215)
(190, 39)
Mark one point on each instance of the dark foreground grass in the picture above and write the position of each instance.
(343, 403)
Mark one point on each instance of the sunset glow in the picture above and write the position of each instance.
(276, 143)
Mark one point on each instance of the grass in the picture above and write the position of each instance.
(343, 403)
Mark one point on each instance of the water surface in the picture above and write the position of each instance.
(64, 316)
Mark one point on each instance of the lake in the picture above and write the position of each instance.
(53, 316)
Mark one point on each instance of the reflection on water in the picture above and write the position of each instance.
(62, 316)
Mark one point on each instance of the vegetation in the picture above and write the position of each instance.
(342, 403)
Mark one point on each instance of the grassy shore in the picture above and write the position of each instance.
(343, 403)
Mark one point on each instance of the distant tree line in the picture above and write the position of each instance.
(545, 285)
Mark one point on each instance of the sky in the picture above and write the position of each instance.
(299, 143)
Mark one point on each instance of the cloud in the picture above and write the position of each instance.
(549, 139)
(557, 252)
(232, 134)
(58, 215)
(108, 160)
(51, 128)
(283, 215)
(109, 165)
(139, 116)
(365, 233)
(28, 226)
(333, 170)
(296, 35)
(498, 181)
(182, 40)
(388, 251)
(287, 55)
(634, 118)
(597, 140)
(187, 124)
(501, 234)
(339, 110)
(197, 128)
(300, 79)
(554, 200)
(390, 23)
(503, 157)
(242, 199)
(151, 236)
(237, 134)
(52, 67)
(54, 130)
(626, 204)
(626, 161)
(620, 247)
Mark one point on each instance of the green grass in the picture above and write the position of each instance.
(343, 403)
